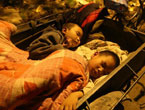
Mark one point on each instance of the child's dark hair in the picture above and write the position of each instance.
(69, 25)
(115, 56)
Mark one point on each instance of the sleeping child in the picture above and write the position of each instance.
(52, 40)
(100, 64)
(45, 84)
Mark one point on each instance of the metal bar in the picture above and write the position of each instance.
(88, 105)
(132, 70)
(137, 31)
(28, 27)
(17, 43)
(128, 90)
(37, 19)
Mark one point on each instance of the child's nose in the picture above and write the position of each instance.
(101, 69)
(77, 39)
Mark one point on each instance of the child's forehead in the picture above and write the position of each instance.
(76, 26)
(103, 56)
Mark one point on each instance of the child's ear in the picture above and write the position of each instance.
(64, 30)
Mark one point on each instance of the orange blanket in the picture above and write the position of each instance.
(36, 84)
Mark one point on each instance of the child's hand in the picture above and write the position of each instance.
(71, 101)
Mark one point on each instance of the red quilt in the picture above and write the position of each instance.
(36, 84)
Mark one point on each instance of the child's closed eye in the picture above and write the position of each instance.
(103, 64)
(78, 33)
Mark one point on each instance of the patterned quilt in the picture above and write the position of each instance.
(36, 85)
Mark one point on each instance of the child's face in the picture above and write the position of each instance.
(72, 36)
(100, 65)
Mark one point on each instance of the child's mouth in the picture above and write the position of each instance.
(65, 42)
(96, 74)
